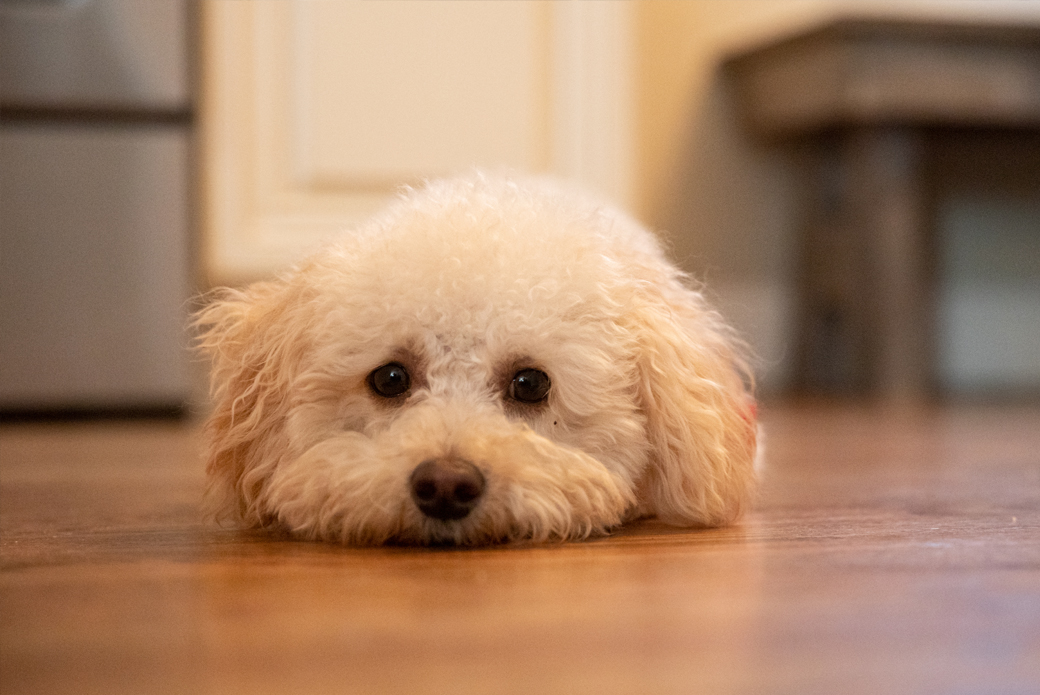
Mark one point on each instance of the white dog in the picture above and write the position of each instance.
(488, 360)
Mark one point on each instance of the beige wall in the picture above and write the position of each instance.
(723, 202)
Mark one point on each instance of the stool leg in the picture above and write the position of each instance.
(888, 206)
(865, 313)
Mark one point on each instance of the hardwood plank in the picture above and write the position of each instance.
(891, 551)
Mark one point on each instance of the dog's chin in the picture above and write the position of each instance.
(446, 534)
(476, 531)
(466, 534)
(481, 528)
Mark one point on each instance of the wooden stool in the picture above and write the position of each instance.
(867, 96)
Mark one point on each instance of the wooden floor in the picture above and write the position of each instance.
(891, 552)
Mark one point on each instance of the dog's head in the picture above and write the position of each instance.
(486, 361)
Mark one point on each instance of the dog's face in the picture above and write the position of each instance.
(487, 361)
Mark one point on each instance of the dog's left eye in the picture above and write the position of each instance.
(390, 380)
(529, 386)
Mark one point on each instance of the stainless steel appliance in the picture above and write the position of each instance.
(95, 131)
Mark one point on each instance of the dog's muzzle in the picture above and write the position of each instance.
(446, 489)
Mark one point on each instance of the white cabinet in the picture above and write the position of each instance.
(314, 112)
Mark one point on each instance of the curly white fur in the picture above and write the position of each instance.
(463, 283)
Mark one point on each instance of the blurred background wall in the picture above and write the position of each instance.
(307, 115)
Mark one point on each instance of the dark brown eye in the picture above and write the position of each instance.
(529, 386)
(390, 380)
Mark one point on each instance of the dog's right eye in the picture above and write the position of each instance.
(390, 380)
(530, 386)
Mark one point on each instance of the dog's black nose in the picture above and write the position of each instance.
(446, 489)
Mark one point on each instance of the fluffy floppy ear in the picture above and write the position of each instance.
(694, 389)
(253, 360)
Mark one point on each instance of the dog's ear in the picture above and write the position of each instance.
(245, 334)
(695, 392)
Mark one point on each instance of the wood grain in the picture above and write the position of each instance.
(891, 551)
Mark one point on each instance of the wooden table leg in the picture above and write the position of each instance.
(865, 323)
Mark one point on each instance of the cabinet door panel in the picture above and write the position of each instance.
(415, 87)
(315, 111)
